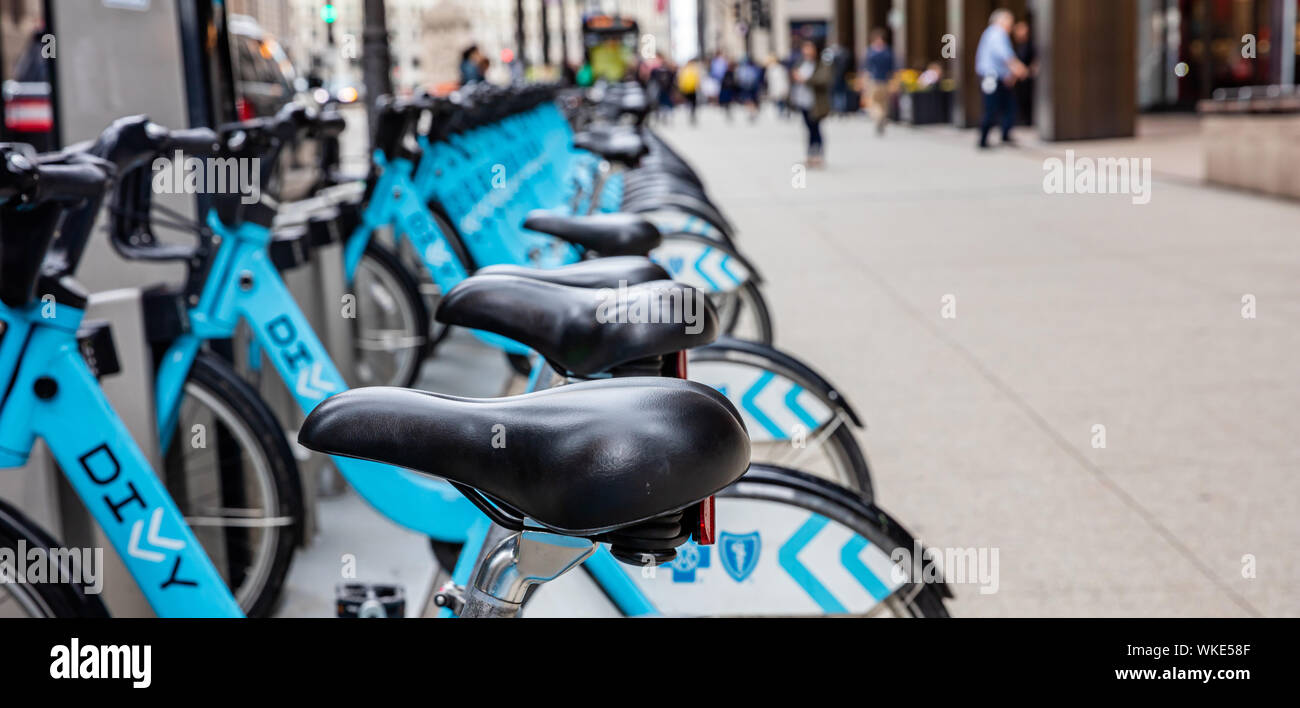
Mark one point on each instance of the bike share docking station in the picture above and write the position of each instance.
(89, 92)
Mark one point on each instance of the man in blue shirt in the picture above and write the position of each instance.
(998, 69)
(879, 68)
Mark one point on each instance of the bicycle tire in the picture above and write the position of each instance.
(403, 287)
(46, 599)
(804, 497)
(921, 600)
(849, 466)
(213, 379)
(751, 300)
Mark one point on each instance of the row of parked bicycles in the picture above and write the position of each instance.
(665, 450)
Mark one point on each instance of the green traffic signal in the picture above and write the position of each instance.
(328, 13)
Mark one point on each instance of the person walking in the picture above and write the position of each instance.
(749, 83)
(688, 85)
(879, 70)
(728, 89)
(1028, 55)
(998, 70)
(811, 94)
(471, 65)
(777, 76)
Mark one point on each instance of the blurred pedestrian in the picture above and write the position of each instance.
(811, 94)
(688, 85)
(749, 83)
(659, 86)
(777, 85)
(841, 65)
(711, 84)
(998, 70)
(471, 65)
(931, 77)
(1028, 56)
(879, 70)
(728, 89)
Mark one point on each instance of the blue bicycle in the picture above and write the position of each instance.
(50, 392)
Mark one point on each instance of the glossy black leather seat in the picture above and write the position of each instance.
(581, 459)
(594, 273)
(582, 330)
(606, 234)
(624, 147)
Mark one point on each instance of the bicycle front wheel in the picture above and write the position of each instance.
(50, 599)
(235, 479)
(393, 321)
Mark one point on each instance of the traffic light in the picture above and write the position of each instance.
(328, 13)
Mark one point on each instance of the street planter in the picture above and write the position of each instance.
(925, 107)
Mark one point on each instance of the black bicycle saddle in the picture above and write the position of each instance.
(582, 330)
(594, 273)
(583, 459)
(606, 234)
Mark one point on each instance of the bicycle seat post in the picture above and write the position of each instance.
(512, 562)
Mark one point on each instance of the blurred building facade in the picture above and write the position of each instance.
(1153, 54)
(1141, 54)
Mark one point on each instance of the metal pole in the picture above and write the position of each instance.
(1285, 43)
(564, 35)
(521, 54)
(700, 11)
(375, 59)
(546, 32)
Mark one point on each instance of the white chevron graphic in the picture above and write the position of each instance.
(310, 384)
(155, 539)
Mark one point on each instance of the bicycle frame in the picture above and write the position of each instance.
(395, 201)
(244, 285)
(51, 386)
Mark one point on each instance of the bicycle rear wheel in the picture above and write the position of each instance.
(788, 544)
(743, 313)
(793, 420)
(235, 479)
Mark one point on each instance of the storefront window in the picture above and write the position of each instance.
(1188, 49)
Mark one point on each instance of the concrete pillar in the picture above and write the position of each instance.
(1087, 83)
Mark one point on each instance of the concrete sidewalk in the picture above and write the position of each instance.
(1072, 311)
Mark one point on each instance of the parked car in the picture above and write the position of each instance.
(265, 81)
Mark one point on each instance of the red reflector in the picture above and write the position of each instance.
(244, 109)
(29, 115)
(705, 530)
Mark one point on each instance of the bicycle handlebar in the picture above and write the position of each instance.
(199, 142)
(62, 177)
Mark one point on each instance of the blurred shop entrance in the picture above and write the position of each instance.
(1188, 49)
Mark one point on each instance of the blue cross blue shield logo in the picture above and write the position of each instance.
(739, 553)
(690, 558)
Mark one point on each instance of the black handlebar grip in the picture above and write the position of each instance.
(72, 182)
(16, 172)
(198, 142)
